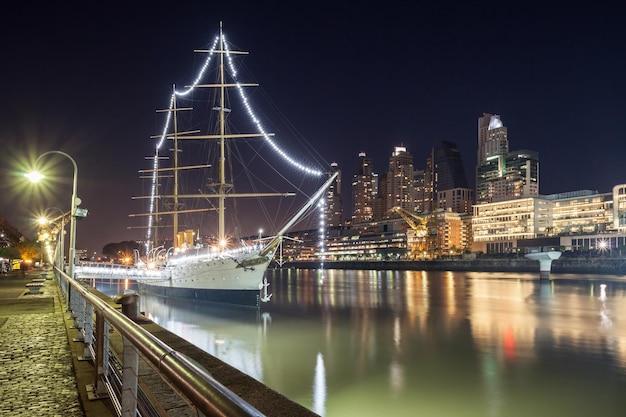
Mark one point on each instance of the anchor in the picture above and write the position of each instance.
(263, 287)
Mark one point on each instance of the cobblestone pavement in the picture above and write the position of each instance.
(36, 371)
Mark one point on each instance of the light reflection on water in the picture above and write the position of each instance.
(406, 343)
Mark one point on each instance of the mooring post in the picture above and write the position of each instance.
(545, 262)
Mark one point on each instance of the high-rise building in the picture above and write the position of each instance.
(364, 188)
(423, 196)
(400, 184)
(427, 194)
(492, 138)
(448, 167)
(502, 175)
(449, 181)
(333, 210)
(522, 174)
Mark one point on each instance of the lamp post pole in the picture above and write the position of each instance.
(75, 203)
(60, 250)
(61, 259)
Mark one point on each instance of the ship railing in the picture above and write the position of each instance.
(106, 270)
(118, 379)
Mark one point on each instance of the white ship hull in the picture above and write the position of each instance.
(220, 280)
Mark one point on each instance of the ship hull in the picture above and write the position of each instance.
(224, 281)
(237, 297)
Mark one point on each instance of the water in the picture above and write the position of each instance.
(413, 343)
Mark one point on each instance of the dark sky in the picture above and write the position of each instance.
(86, 78)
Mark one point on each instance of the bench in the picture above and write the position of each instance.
(34, 287)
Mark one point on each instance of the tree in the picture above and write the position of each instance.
(9, 252)
(113, 250)
(29, 250)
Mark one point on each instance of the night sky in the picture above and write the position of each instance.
(86, 79)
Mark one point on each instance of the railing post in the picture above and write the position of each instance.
(79, 318)
(73, 304)
(98, 388)
(130, 379)
(88, 330)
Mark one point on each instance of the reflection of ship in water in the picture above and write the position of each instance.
(232, 334)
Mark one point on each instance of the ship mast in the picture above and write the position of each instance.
(175, 150)
(221, 233)
(222, 187)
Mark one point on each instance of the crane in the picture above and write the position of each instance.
(416, 237)
(415, 222)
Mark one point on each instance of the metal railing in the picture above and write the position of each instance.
(119, 379)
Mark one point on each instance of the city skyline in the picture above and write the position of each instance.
(354, 80)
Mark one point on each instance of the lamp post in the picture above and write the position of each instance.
(34, 176)
(61, 236)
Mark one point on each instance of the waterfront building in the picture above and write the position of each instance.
(454, 232)
(368, 246)
(580, 212)
(619, 207)
(364, 189)
(497, 226)
(578, 220)
(394, 238)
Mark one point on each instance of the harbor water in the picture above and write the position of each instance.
(410, 343)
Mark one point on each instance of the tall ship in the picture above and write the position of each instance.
(192, 190)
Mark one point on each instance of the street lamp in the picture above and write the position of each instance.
(43, 220)
(36, 176)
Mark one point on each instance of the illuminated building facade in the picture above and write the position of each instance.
(496, 227)
(579, 212)
(364, 190)
(619, 207)
(454, 232)
(400, 184)
(582, 220)
(333, 210)
(500, 174)
(492, 138)
(458, 200)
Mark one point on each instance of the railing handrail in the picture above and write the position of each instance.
(205, 392)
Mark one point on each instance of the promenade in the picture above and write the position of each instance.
(40, 374)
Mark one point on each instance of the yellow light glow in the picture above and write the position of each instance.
(34, 176)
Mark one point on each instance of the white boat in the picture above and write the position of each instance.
(226, 269)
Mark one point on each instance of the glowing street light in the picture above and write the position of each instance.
(36, 177)
(43, 220)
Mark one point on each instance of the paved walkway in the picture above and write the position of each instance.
(39, 374)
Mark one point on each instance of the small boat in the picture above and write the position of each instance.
(222, 268)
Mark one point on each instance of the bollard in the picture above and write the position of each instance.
(130, 305)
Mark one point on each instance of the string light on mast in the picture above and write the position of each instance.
(249, 110)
